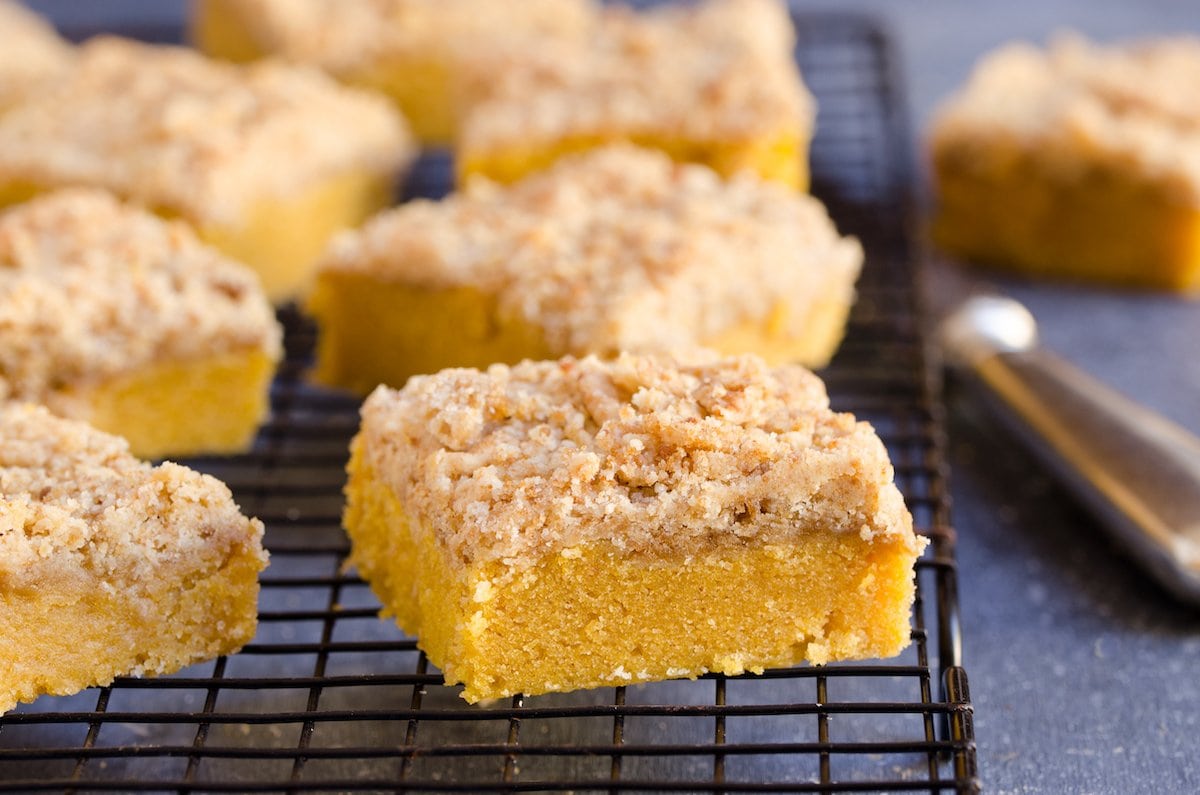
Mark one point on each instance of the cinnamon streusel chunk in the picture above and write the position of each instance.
(576, 523)
(112, 315)
(31, 53)
(714, 83)
(1079, 161)
(416, 51)
(111, 567)
(265, 161)
(615, 250)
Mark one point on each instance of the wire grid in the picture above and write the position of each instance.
(329, 697)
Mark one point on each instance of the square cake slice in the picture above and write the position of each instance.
(414, 51)
(713, 82)
(112, 315)
(579, 523)
(1077, 161)
(111, 567)
(265, 161)
(620, 249)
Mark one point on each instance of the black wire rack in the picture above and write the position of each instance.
(330, 698)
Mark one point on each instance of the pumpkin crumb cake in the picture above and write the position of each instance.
(265, 161)
(31, 52)
(578, 523)
(109, 566)
(619, 249)
(112, 315)
(713, 82)
(414, 51)
(1078, 160)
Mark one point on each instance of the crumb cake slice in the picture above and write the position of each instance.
(109, 566)
(112, 315)
(31, 53)
(266, 161)
(620, 249)
(713, 83)
(576, 523)
(415, 51)
(1078, 161)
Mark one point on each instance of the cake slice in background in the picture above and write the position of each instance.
(619, 249)
(266, 161)
(1077, 161)
(109, 566)
(112, 315)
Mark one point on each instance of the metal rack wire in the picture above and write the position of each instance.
(330, 698)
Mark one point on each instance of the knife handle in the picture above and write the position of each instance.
(1136, 470)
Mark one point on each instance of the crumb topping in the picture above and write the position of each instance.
(73, 499)
(91, 289)
(341, 37)
(176, 131)
(31, 52)
(1131, 104)
(649, 454)
(717, 70)
(619, 249)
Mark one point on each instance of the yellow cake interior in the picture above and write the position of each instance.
(79, 631)
(374, 332)
(377, 332)
(420, 87)
(824, 328)
(177, 409)
(777, 157)
(1007, 210)
(560, 624)
(280, 239)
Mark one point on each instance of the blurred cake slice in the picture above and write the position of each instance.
(575, 523)
(31, 53)
(620, 249)
(111, 567)
(1077, 161)
(265, 161)
(414, 51)
(114, 316)
(713, 82)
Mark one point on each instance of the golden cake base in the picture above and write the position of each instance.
(1007, 211)
(279, 239)
(593, 616)
(779, 158)
(180, 409)
(74, 629)
(374, 332)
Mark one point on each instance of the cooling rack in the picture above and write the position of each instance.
(329, 698)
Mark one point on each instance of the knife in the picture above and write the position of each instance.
(1138, 472)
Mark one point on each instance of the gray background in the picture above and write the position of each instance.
(1084, 675)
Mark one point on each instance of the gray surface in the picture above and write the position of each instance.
(1084, 675)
